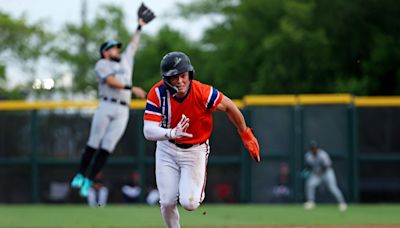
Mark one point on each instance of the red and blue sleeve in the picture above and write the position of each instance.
(213, 99)
(153, 107)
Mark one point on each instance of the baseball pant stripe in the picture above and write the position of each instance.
(207, 152)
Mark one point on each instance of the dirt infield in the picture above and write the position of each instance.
(274, 226)
(311, 226)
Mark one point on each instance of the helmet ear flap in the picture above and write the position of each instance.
(172, 89)
(191, 74)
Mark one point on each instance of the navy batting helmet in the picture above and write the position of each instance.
(109, 44)
(175, 63)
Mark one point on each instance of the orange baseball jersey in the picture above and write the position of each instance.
(198, 105)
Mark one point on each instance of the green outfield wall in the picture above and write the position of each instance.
(41, 143)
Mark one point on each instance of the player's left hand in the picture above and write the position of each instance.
(141, 22)
(145, 14)
(251, 143)
(139, 92)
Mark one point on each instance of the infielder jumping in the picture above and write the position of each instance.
(319, 165)
(178, 116)
(114, 76)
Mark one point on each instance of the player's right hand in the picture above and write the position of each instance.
(180, 130)
(139, 92)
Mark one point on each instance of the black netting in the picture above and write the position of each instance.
(16, 183)
(15, 134)
(329, 126)
(274, 128)
(378, 130)
(40, 150)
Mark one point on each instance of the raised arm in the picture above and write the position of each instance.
(145, 15)
(135, 39)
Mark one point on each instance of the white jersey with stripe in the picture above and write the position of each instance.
(121, 70)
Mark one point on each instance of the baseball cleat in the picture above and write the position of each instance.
(342, 207)
(309, 205)
(87, 184)
(77, 181)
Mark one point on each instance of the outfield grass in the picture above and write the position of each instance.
(118, 216)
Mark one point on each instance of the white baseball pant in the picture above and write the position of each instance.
(180, 174)
(98, 198)
(108, 125)
(329, 179)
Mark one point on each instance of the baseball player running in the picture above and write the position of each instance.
(178, 116)
(114, 76)
(319, 165)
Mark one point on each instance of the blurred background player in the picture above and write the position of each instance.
(178, 116)
(131, 191)
(319, 170)
(153, 196)
(98, 193)
(281, 192)
(114, 76)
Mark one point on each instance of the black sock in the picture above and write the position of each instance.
(99, 162)
(86, 159)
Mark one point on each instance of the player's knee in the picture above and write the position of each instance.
(166, 203)
(189, 203)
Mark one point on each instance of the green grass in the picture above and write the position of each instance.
(118, 216)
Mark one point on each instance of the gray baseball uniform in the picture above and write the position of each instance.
(322, 171)
(111, 117)
(114, 77)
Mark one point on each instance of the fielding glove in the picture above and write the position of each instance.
(305, 173)
(251, 143)
(145, 13)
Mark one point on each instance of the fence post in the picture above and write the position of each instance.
(297, 157)
(141, 155)
(352, 156)
(34, 156)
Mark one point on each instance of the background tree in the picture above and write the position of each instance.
(365, 44)
(303, 46)
(78, 45)
(21, 44)
(109, 23)
(147, 68)
(253, 47)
